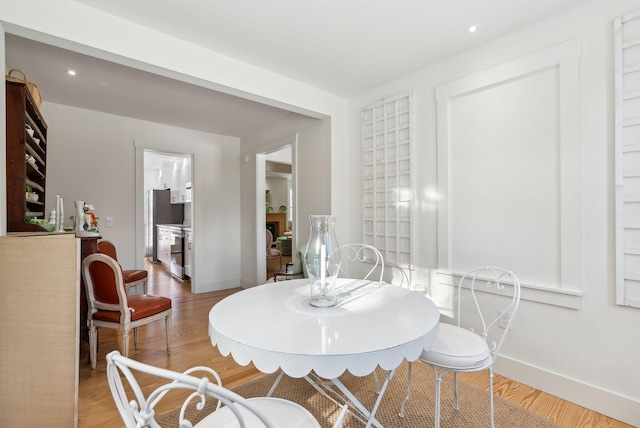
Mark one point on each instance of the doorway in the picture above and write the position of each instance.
(275, 173)
(167, 199)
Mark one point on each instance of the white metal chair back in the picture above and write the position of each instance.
(355, 255)
(138, 411)
(397, 275)
(478, 282)
(230, 409)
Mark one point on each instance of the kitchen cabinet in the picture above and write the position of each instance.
(164, 246)
(171, 248)
(188, 252)
(181, 195)
(26, 163)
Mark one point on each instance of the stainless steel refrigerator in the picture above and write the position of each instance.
(159, 210)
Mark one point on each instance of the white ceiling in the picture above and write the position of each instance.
(341, 46)
(112, 88)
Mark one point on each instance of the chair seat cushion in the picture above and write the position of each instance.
(141, 306)
(457, 348)
(132, 275)
(144, 305)
(281, 413)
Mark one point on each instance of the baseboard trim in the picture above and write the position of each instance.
(219, 285)
(599, 400)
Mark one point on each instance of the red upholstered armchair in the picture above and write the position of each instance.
(110, 307)
(132, 277)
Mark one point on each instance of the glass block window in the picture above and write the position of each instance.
(387, 178)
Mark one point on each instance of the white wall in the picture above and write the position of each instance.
(108, 37)
(587, 355)
(92, 157)
(313, 181)
(278, 188)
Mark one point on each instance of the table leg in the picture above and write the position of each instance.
(371, 415)
(275, 384)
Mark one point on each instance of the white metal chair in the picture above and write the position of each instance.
(230, 410)
(362, 253)
(462, 349)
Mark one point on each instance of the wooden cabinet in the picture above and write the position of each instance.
(39, 346)
(89, 245)
(26, 160)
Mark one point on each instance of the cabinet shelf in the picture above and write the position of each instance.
(33, 152)
(33, 172)
(34, 146)
(34, 185)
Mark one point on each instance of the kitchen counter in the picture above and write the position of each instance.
(170, 246)
(175, 226)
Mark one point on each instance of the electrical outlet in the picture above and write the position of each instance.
(503, 318)
(108, 222)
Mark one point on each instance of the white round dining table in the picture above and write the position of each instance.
(274, 327)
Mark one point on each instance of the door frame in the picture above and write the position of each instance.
(140, 149)
(261, 153)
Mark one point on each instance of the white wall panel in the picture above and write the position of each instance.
(508, 169)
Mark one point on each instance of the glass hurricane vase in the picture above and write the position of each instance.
(322, 259)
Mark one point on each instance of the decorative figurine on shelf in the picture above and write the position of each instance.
(85, 220)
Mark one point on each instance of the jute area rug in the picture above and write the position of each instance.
(419, 412)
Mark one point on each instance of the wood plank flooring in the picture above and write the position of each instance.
(191, 347)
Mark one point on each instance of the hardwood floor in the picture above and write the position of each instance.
(191, 347)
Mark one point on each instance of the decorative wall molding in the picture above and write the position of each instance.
(509, 169)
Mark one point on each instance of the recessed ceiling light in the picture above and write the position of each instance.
(472, 29)
(71, 72)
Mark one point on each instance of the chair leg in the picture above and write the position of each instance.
(401, 414)
(124, 343)
(437, 398)
(93, 346)
(455, 391)
(491, 392)
(167, 323)
(135, 338)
